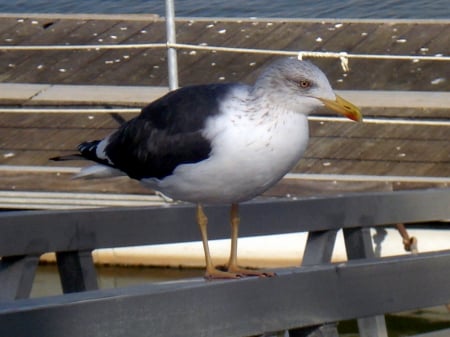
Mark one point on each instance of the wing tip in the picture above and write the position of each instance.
(97, 171)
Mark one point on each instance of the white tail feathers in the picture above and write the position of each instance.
(98, 171)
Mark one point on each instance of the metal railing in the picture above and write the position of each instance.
(299, 299)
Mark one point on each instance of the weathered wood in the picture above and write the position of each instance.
(335, 148)
(299, 297)
(149, 67)
(375, 149)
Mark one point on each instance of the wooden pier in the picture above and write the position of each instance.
(405, 102)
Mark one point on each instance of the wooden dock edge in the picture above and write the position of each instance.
(52, 94)
(152, 16)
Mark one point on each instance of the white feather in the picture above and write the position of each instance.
(97, 171)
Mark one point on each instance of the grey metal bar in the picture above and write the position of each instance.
(439, 333)
(325, 330)
(319, 247)
(172, 62)
(77, 271)
(16, 276)
(318, 250)
(358, 243)
(297, 297)
(102, 228)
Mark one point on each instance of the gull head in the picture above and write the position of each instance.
(302, 87)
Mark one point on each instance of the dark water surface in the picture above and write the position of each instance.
(405, 9)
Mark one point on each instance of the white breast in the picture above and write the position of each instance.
(251, 152)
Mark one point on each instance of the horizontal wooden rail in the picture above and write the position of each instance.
(54, 94)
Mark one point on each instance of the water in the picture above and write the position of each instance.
(403, 9)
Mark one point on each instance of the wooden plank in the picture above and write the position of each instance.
(347, 36)
(90, 97)
(133, 62)
(62, 182)
(422, 105)
(35, 60)
(413, 42)
(379, 131)
(30, 139)
(150, 68)
(65, 122)
(228, 66)
(372, 149)
(14, 93)
(379, 41)
(59, 181)
(17, 199)
(309, 296)
(6, 27)
(371, 167)
(57, 65)
(101, 61)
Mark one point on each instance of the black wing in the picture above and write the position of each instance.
(167, 133)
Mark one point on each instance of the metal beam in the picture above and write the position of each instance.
(297, 297)
(17, 276)
(77, 271)
(48, 231)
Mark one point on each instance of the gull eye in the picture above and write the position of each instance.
(304, 84)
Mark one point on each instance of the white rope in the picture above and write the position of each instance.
(299, 54)
(88, 47)
(343, 56)
(69, 110)
(90, 111)
(375, 120)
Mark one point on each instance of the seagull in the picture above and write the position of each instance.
(221, 143)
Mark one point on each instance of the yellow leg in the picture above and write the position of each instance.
(235, 221)
(232, 262)
(211, 271)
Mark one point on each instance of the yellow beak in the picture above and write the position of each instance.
(343, 107)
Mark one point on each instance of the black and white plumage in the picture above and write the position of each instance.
(219, 143)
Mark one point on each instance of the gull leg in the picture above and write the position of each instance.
(235, 221)
(409, 242)
(232, 263)
(211, 271)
